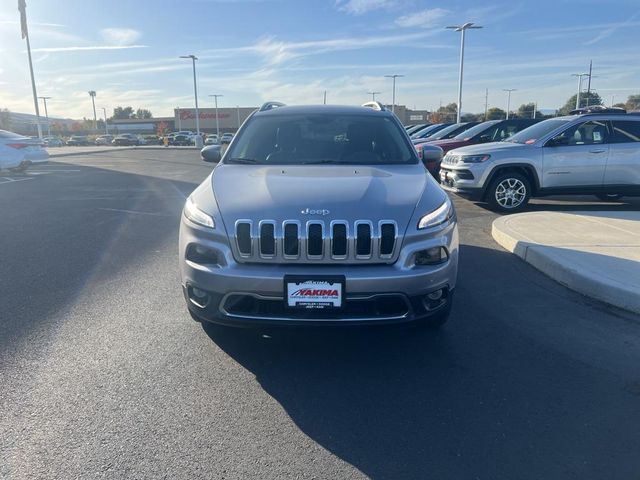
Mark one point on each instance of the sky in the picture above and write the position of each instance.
(251, 51)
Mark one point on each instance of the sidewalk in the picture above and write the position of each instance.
(594, 253)
(68, 151)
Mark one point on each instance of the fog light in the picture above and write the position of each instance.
(437, 295)
(431, 256)
(198, 297)
(198, 293)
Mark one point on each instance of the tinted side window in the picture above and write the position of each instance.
(587, 133)
(625, 131)
(505, 130)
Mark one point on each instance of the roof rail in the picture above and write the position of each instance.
(375, 106)
(270, 106)
(597, 109)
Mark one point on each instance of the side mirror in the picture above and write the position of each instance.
(211, 154)
(430, 153)
(485, 139)
(558, 141)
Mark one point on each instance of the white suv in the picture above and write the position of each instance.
(592, 153)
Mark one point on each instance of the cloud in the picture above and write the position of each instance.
(613, 29)
(120, 36)
(358, 7)
(81, 49)
(425, 18)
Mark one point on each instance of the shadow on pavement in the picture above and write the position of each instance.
(400, 402)
(63, 233)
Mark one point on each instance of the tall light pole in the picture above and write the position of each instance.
(612, 97)
(217, 119)
(486, 103)
(461, 28)
(92, 94)
(579, 75)
(195, 89)
(179, 120)
(238, 114)
(373, 95)
(508, 99)
(393, 102)
(106, 126)
(324, 98)
(46, 114)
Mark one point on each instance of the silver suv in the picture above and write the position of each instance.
(593, 153)
(319, 214)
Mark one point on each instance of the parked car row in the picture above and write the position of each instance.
(593, 151)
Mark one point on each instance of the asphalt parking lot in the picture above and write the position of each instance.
(105, 375)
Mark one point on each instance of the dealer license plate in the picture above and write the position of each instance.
(314, 293)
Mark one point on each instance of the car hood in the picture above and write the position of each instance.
(490, 148)
(336, 192)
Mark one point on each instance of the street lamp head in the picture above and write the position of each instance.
(192, 57)
(465, 26)
(92, 93)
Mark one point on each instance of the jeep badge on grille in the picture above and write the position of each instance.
(311, 211)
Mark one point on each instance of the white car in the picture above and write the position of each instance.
(211, 140)
(17, 152)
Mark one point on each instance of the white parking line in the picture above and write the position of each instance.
(12, 180)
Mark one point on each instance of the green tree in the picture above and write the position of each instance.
(142, 113)
(472, 117)
(586, 99)
(122, 113)
(496, 113)
(5, 119)
(633, 102)
(447, 113)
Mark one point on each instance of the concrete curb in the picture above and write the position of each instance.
(115, 149)
(549, 261)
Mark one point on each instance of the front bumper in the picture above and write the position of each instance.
(463, 182)
(253, 294)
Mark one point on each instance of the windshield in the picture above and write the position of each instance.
(322, 138)
(534, 132)
(472, 132)
(427, 132)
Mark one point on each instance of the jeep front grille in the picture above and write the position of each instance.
(316, 241)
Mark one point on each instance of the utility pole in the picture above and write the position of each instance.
(179, 120)
(461, 28)
(508, 99)
(238, 114)
(373, 95)
(579, 75)
(92, 94)
(486, 103)
(324, 98)
(393, 102)
(46, 113)
(589, 84)
(22, 8)
(535, 109)
(106, 125)
(215, 96)
(195, 93)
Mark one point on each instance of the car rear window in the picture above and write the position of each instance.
(321, 138)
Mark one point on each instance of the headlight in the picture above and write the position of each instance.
(440, 215)
(474, 158)
(193, 213)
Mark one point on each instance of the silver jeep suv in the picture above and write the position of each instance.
(591, 153)
(319, 214)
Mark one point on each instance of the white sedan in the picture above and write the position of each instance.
(17, 152)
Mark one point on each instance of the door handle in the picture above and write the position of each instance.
(597, 151)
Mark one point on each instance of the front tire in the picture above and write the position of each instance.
(509, 192)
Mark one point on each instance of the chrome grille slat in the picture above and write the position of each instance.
(316, 241)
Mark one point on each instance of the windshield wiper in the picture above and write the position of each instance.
(240, 160)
